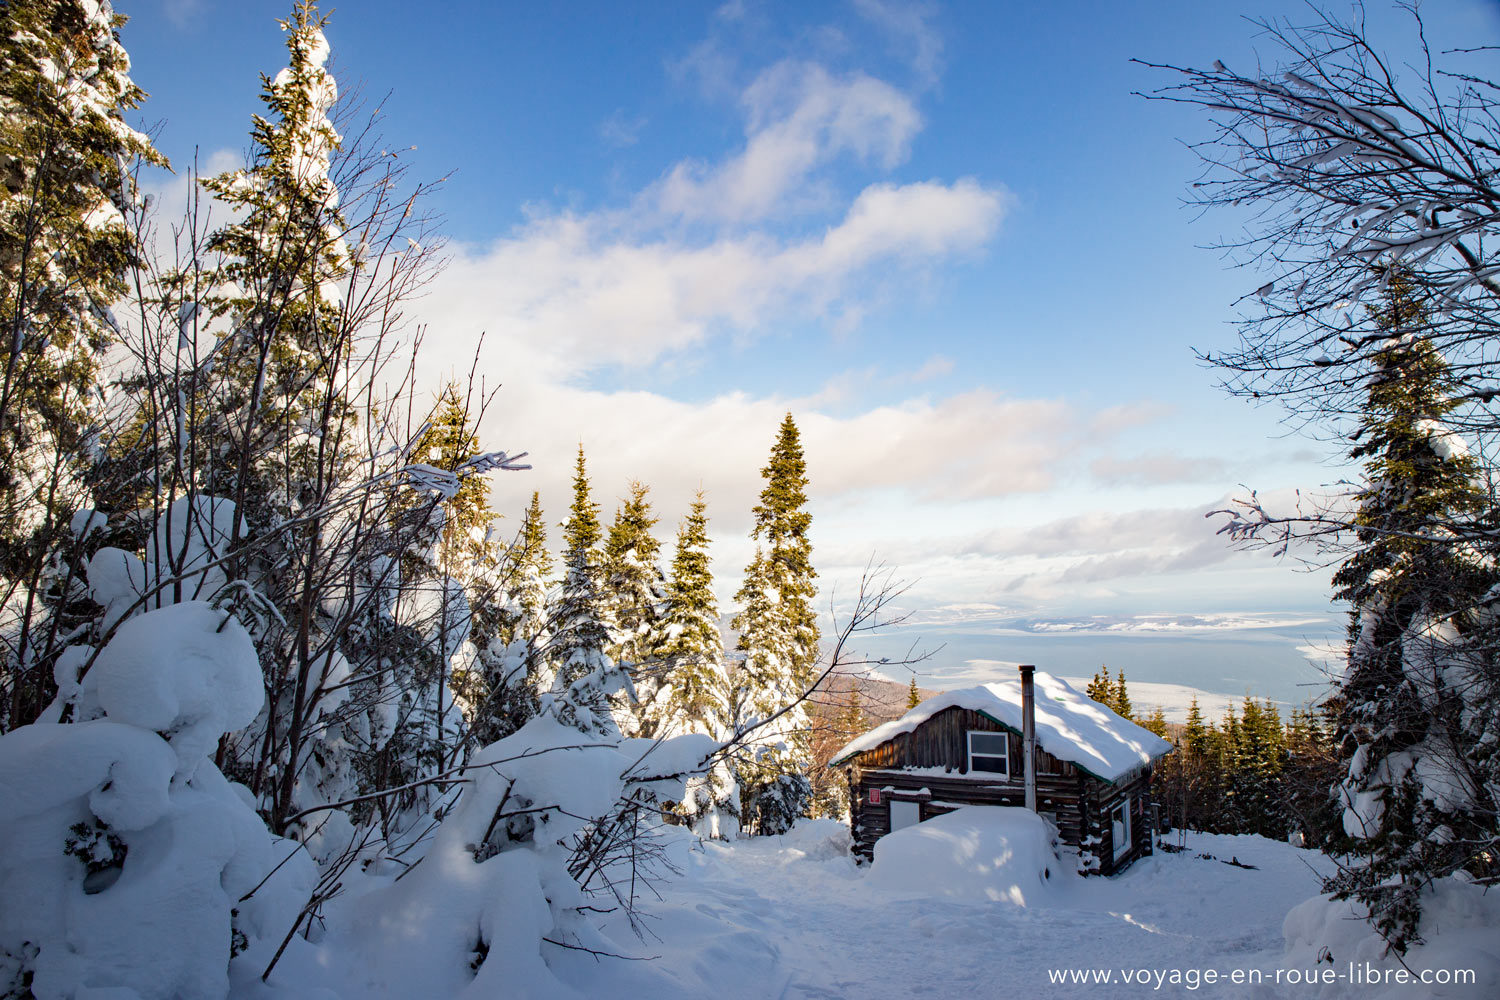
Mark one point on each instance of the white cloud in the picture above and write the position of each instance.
(573, 293)
(798, 117)
(907, 25)
(171, 195)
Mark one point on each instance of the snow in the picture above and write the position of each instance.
(977, 853)
(1460, 921)
(129, 863)
(1069, 725)
(794, 917)
(188, 670)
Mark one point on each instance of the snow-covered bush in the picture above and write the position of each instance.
(514, 876)
(129, 862)
(1460, 928)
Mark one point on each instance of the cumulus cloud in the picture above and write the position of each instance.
(576, 292)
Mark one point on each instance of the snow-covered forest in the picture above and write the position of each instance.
(289, 709)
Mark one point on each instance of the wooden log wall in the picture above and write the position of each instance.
(1078, 803)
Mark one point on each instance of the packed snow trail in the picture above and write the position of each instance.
(793, 917)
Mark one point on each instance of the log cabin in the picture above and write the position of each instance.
(1035, 741)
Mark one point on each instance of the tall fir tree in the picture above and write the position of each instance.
(529, 574)
(779, 638)
(698, 694)
(66, 247)
(1195, 731)
(635, 588)
(1121, 700)
(581, 674)
(1413, 805)
(913, 694)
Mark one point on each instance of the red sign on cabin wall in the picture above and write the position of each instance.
(874, 796)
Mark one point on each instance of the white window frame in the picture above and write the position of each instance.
(1125, 843)
(989, 756)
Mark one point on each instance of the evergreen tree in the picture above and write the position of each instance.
(913, 694)
(1312, 768)
(274, 433)
(693, 646)
(1195, 733)
(1156, 722)
(1121, 700)
(581, 673)
(1411, 808)
(65, 249)
(1100, 688)
(779, 637)
(509, 665)
(636, 589)
(285, 424)
(697, 689)
(1261, 758)
(447, 445)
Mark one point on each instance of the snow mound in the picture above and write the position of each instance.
(818, 839)
(999, 853)
(137, 874)
(188, 671)
(1069, 725)
(1461, 925)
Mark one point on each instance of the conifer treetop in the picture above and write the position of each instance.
(581, 530)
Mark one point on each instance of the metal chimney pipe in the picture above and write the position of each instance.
(1028, 731)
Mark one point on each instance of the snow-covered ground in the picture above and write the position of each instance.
(793, 917)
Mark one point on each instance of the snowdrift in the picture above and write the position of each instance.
(1460, 924)
(999, 853)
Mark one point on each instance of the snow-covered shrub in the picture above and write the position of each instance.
(515, 871)
(129, 862)
(1460, 928)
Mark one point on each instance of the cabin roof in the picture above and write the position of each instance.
(1069, 725)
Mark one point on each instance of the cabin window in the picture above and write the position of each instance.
(989, 752)
(1119, 826)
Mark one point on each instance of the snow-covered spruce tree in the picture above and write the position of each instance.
(697, 679)
(533, 572)
(466, 546)
(636, 588)
(580, 673)
(779, 637)
(1411, 719)
(265, 390)
(512, 634)
(274, 429)
(66, 192)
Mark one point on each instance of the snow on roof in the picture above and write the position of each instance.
(1069, 725)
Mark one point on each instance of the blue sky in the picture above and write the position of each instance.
(949, 238)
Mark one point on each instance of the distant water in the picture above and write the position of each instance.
(1265, 663)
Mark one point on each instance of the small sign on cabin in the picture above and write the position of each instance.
(874, 796)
